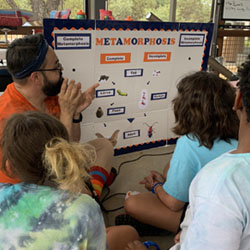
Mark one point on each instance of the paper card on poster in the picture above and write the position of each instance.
(105, 93)
(131, 134)
(72, 41)
(190, 40)
(116, 111)
(159, 96)
(133, 72)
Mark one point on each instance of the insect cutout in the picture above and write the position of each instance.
(121, 93)
(99, 112)
(103, 77)
(150, 129)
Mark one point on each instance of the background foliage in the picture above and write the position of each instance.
(42, 8)
(187, 10)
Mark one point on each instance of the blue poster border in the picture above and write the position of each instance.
(50, 24)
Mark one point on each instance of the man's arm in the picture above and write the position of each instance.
(76, 127)
(72, 102)
(85, 100)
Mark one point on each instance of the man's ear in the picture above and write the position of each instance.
(9, 170)
(35, 76)
(238, 103)
(8, 167)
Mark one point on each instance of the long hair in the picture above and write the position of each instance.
(68, 163)
(37, 147)
(203, 108)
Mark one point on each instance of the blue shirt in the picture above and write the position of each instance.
(188, 158)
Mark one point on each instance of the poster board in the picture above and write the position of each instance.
(236, 10)
(137, 65)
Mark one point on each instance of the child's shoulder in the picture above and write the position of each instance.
(187, 139)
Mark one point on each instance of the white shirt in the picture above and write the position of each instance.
(220, 205)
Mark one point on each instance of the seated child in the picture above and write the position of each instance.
(218, 217)
(208, 128)
(51, 207)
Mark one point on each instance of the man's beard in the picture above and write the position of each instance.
(51, 88)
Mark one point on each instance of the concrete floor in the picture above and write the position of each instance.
(127, 180)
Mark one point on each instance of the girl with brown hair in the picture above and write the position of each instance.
(52, 207)
(208, 128)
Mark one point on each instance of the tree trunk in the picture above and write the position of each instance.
(39, 9)
(12, 4)
(53, 5)
(42, 9)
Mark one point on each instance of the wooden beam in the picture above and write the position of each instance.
(22, 30)
(241, 33)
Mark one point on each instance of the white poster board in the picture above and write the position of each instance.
(137, 65)
(236, 10)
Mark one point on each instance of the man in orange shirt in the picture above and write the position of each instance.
(39, 85)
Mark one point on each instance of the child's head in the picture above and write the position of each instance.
(244, 85)
(203, 108)
(36, 147)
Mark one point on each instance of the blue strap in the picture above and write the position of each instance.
(155, 185)
(36, 63)
(148, 244)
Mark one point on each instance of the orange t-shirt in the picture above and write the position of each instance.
(11, 102)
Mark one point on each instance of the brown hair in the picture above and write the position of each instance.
(37, 147)
(203, 108)
(244, 85)
(21, 52)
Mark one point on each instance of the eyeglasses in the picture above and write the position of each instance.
(58, 68)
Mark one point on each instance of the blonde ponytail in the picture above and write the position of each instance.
(67, 163)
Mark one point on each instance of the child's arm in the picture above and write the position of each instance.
(172, 203)
(165, 171)
(155, 176)
(150, 179)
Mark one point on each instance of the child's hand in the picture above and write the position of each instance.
(157, 177)
(177, 238)
(148, 182)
